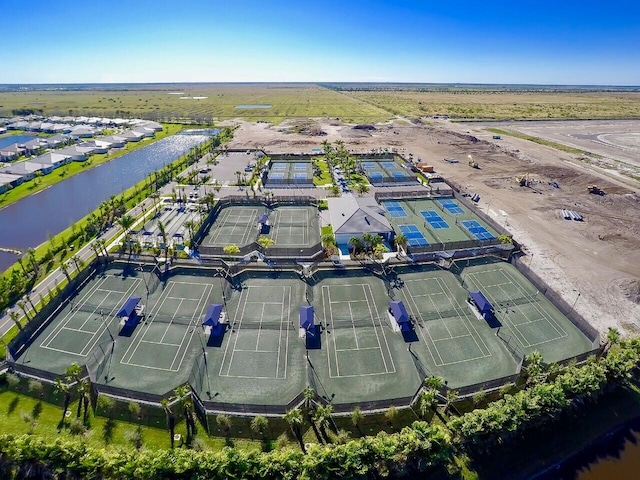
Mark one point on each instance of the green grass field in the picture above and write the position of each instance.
(288, 101)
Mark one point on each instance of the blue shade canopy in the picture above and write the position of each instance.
(481, 302)
(263, 218)
(129, 307)
(306, 317)
(399, 311)
(212, 317)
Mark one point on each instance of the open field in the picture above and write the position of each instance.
(218, 101)
(505, 105)
(355, 103)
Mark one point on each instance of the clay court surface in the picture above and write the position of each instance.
(260, 356)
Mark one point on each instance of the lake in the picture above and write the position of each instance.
(6, 141)
(28, 222)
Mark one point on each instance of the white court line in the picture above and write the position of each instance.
(101, 328)
(284, 323)
(161, 343)
(413, 306)
(375, 329)
(208, 288)
(463, 317)
(335, 346)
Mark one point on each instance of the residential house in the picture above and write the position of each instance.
(77, 153)
(82, 132)
(97, 146)
(9, 180)
(115, 141)
(132, 136)
(56, 141)
(27, 169)
(145, 131)
(11, 152)
(3, 130)
(54, 159)
(353, 217)
(34, 146)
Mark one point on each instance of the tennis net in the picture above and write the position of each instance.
(357, 323)
(187, 320)
(245, 324)
(510, 302)
(98, 309)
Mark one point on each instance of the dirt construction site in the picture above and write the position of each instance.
(594, 264)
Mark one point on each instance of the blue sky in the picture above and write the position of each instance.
(519, 41)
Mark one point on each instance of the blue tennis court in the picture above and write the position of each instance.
(301, 166)
(451, 206)
(434, 219)
(398, 174)
(279, 166)
(389, 164)
(300, 176)
(276, 176)
(375, 175)
(394, 209)
(414, 236)
(369, 165)
(476, 229)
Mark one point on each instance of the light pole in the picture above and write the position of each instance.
(574, 303)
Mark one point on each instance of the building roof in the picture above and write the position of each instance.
(8, 178)
(357, 215)
(52, 158)
(24, 168)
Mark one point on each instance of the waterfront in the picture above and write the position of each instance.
(28, 222)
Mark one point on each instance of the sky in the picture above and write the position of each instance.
(457, 41)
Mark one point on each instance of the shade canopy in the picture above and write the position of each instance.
(481, 302)
(212, 317)
(129, 307)
(306, 317)
(399, 311)
(263, 219)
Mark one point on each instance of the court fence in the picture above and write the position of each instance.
(48, 313)
(567, 310)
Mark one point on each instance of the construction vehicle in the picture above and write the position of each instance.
(473, 163)
(595, 190)
(523, 180)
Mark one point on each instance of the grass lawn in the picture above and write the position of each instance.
(40, 183)
(23, 414)
(325, 173)
(327, 230)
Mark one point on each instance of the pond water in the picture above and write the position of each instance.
(6, 141)
(28, 223)
(263, 105)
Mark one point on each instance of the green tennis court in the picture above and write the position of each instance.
(234, 225)
(527, 317)
(295, 226)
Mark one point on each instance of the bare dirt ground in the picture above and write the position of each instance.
(594, 264)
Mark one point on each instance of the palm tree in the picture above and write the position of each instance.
(191, 227)
(171, 419)
(238, 174)
(259, 425)
(184, 395)
(16, 319)
(452, 397)
(428, 401)
(76, 261)
(163, 233)
(391, 415)
(23, 307)
(362, 188)
(126, 222)
(401, 241)
(357, 244)
(294, 418)
(434, 382)
(65, 269)
(62, 388)
(265, 242)
(356, 418)
(322, 417)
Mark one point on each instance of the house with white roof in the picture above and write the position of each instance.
(34, 146)
(132, 136)
(114, 141)
(77, 153)
(145, 131)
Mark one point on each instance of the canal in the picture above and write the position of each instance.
(28, 222)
